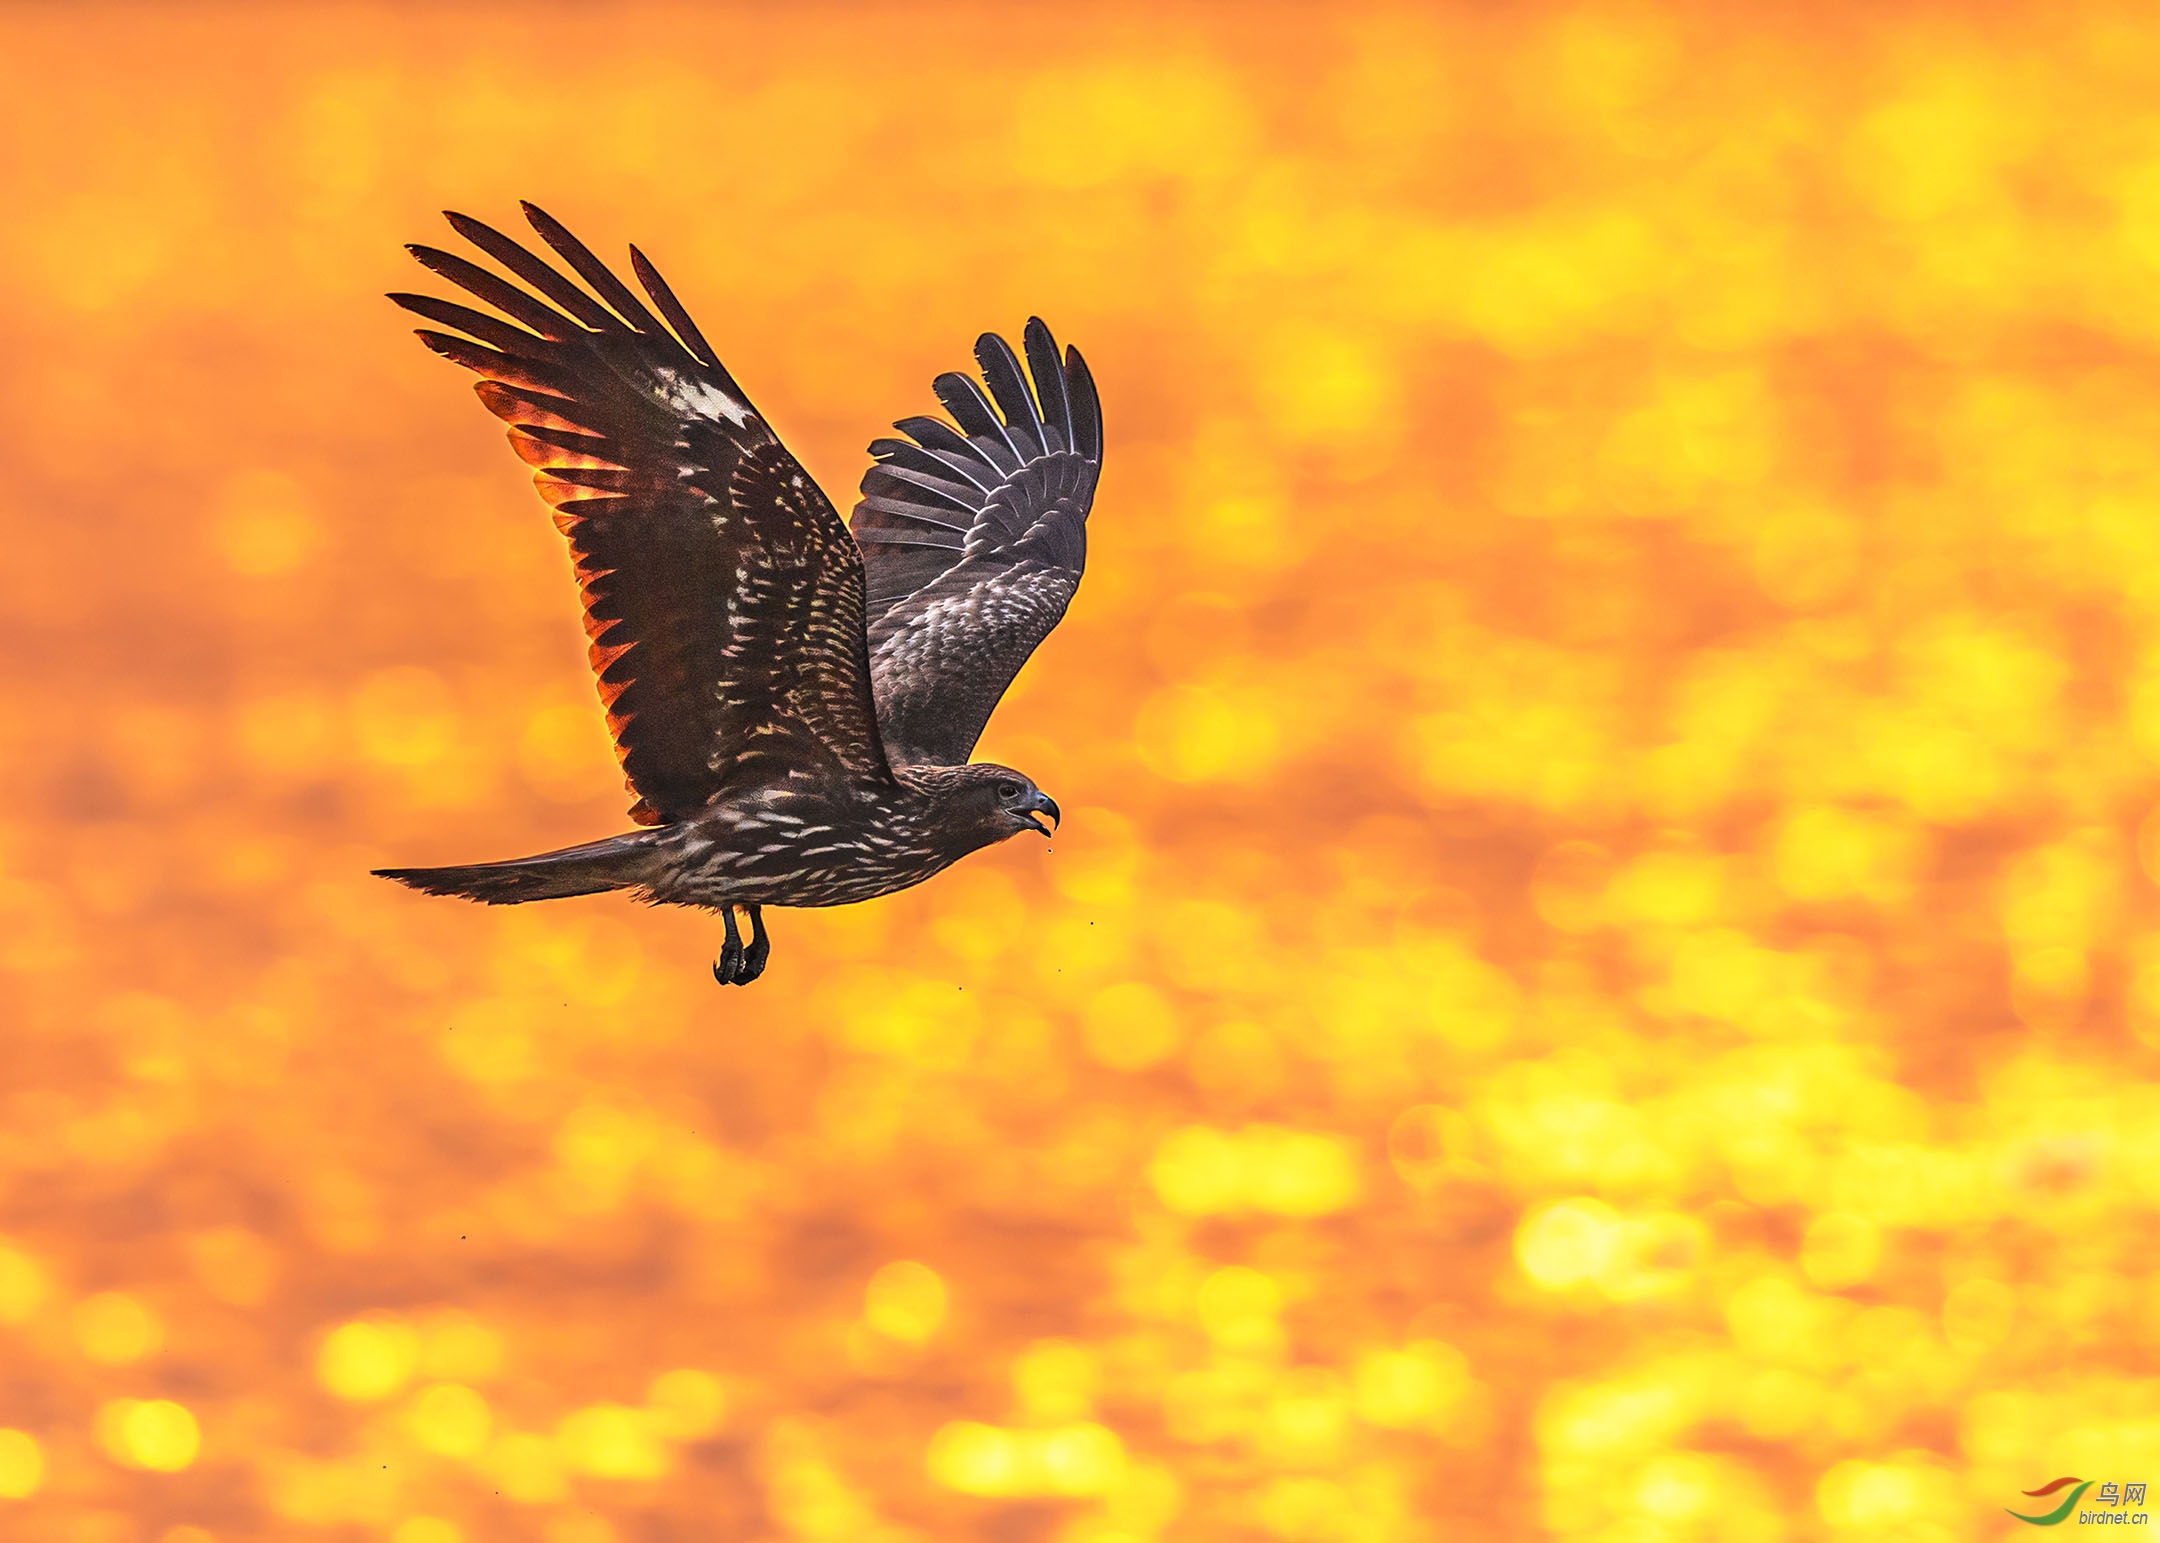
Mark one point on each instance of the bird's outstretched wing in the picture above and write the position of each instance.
(974, 540)
(723, 595)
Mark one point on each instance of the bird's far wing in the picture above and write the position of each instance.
(723, 596)
(974, 538)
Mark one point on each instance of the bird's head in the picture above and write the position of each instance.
(984, 803)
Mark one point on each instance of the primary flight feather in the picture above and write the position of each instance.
(793, 701)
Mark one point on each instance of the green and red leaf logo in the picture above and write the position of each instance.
(2062, 1512)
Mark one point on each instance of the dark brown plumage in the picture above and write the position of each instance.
(793, 704)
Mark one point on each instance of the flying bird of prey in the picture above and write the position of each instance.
(793, 700)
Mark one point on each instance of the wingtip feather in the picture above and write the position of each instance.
(447, 346)
(677, 314)
(591, 269)
(1049, 378)
(1008, 383)
(1086, 403)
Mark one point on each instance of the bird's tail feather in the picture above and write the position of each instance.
(619, 862)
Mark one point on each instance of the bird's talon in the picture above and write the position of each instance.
(753, 961)
(728, 968)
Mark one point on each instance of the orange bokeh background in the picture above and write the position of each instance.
(1600, 978)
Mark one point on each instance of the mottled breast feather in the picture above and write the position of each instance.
(974, 538)
(724, 598)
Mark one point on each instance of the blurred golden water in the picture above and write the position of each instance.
(1599, 980)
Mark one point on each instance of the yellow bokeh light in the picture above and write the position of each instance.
(404, 717)
(1420, 1385)
(1065, 1460)
(974, 1459)
(22, 1464)
(612, 1441)
(1864, 1495)
(1830, 854)
(687, 1404)
(1056, 1380)
(114, 1328)
(450, 1419)
(1198, 734)
(368, 1360)
(459, 1347)
(156, 1434)
(906, 1301)
(22, 1285)
(1201, 1170)
(1238, 1307)
(1569, 1243)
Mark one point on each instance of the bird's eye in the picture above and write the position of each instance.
(1008, 790)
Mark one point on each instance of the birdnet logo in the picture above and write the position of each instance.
(2118, 1498)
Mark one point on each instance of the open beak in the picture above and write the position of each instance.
(1045, 804)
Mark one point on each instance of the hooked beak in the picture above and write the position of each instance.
(1047, 805)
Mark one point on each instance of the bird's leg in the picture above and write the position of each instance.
(728, 968)
(760, 946)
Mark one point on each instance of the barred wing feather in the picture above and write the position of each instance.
(724, 599)
(974, 535)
